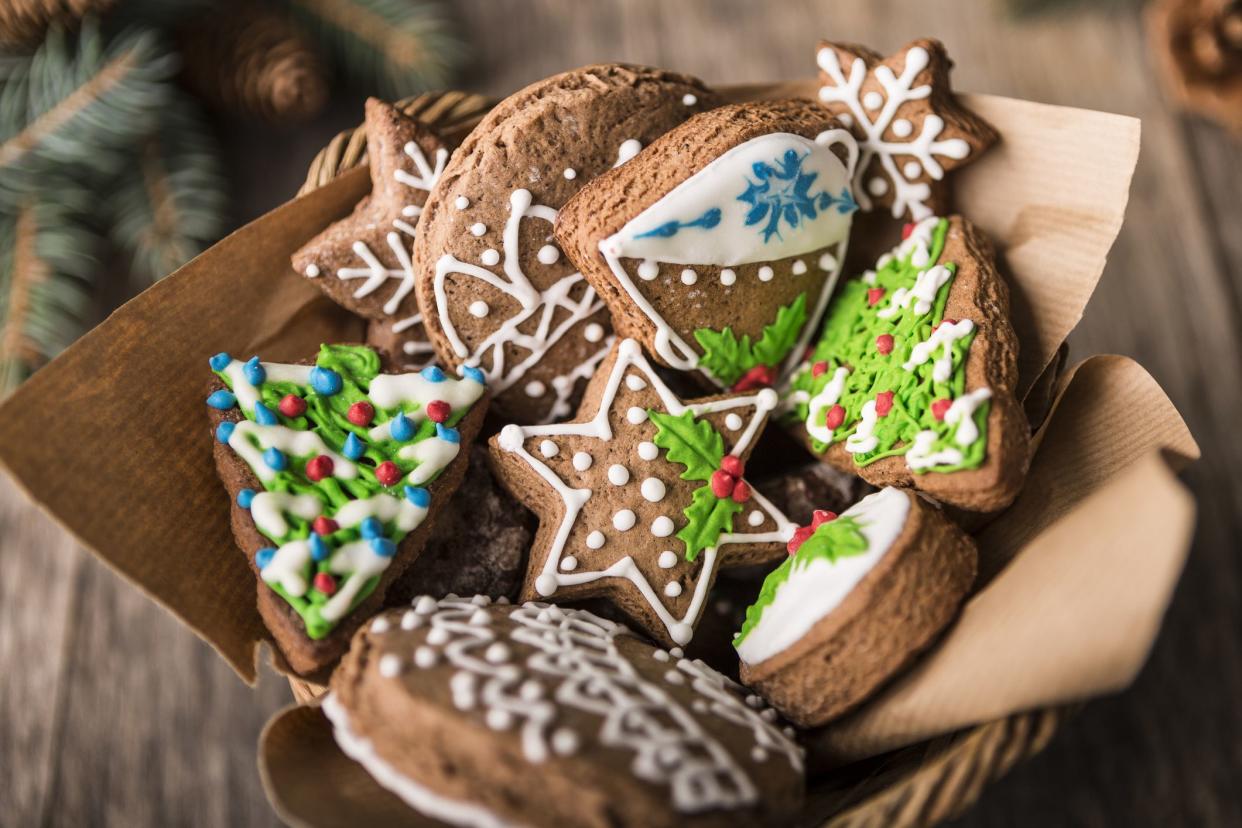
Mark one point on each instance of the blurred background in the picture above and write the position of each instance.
(134, 133)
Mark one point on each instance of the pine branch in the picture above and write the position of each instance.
(23, 22)
(392, 48)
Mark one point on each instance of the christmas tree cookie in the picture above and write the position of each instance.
(642, 498)
(911, 382)
(336, 470)
(860, 595)
(718, 245)
(481, 713)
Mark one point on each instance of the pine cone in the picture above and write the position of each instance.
(23, 22)
(1198, 45)
(255, 61)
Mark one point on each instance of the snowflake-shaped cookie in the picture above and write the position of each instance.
(909, 126)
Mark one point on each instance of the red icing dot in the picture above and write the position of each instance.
(761, 376)
(907, 229)
(884, 343)
(325, 583)
(324, 525)
(741, 491)
(835, 416)
(874, 295)
(387, 473)
(722, 483)
(799, 537)
(939, 407)
(317, 468)
(822, 516)
(438, 411)
(883, 403)
(819, 368)
(732, 465)
(291, 405)
(361, 413)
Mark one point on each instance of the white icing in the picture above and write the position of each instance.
(461, 202)
(921, 456)
(689, 277)
(667, 559)
(360, 562)
(312, 271)
(672, 589)
(863, 441)
(247, 393)
(628, 149)
(269, 508)
(593, 332)
(755, 518)
(618, 475)
(582, 461)
(386, 508)
(798, 268)
(647, 450)
(570, 173)
(635, 382)
(662, 526)
(728, 276)
(595, 540)
(944, 338)
(766, 273)
(548, 448)
(733, 422)
(635, 415)
(478, 229)
(288, 567)
(624, 520)
(490, 257)
(398, 390)
(479, 309)
(828, 396)
(962, 414)
(689, 100)
(923, 295)
(247, 433)
(535, 388)
(432, 455)
(653, 489)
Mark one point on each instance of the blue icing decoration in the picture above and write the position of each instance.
(418, 496)
(275, 459)
(222, 400)
(783, 192)
(264, 557)
(353, 447)
(325, 381)
(245, 497)
(371, 528)
(264, 415)
(471, 372)
(707, 221)
(220, 361)
(318, 549)
(253, 371)
(224, 431)
(432, 373)
(383, 547)
(401, 428)
(448, 435)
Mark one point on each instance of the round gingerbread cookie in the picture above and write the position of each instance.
(481, 713)
(494, 288)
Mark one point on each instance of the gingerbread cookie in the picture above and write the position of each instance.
(489, 714)
(363, 261)
(912, 380)
(859, 597)
(494, 288)
(336, 472)
(910, 127)
(642, 498)
(718, 245)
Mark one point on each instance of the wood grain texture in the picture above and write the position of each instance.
(112, 714)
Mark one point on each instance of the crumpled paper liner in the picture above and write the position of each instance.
(1093, 546)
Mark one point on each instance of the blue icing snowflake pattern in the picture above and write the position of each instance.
(668, 229)
(783, 192)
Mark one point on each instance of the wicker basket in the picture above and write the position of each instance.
(917, 786)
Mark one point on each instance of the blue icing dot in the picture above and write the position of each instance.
(220, 361)
(432, 373)
(383, 547)
(275, 459)
(470, 372)
(253, 371)
(318, 549)
(371, 528)
(325, 381)
(245, 497)
(264, 415)
(448, 435)
(223, 400)
(418, 496)
(224, 431)
(264, 557)
(353, 447)
(401, 428)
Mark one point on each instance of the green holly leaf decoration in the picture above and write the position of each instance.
(709, 517)
(779, 337)
(724, 355)
(690, 442)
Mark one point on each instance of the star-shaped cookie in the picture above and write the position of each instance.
(910, 128)
(642, 498)
(363, 261)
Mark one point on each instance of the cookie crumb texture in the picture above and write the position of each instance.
(538, 715)
(495, 288)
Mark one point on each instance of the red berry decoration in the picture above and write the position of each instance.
(733, 465)
(821, 516)
(799, 537)
(906, 230)
(874, 295)
(883, 403)
(291, 405)
(819, 369)
(722, 483)
(361, 413)
(939, 407)
(325, 583)
(834, 417)
(884, 344)
(324, 526)
(387, 473)
(741, 491)
(317, 468)
(438, 411)
(761, 376)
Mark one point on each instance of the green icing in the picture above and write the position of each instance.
(848, 339)
(696, 445)
(728, 358)
(832, 541)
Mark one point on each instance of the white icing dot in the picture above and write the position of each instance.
(548, 448)
(635, 382)
(480, 600)
(672, 589)
(570, 173)
(827, 262)
(846, 119)
(548, 254)
(676, 652)
(877, 186)
(766, 273)
(755, 518)
(624, 520)
(593, 332)
(569, 564)
(535, 388)
(618, 475)
(798, 268)
(648, 450)
(389, 665)
(410, 210)
(582, 461)
(480, 618)
(628, 149)
(564, 741)
(689, 100)
(728, 276)
(902, 128)
(733, 422)
(489, 257)
(689, 277)
(911, 170)
(380, 625)
(636, 415)
(531, 690)
(662, 526)
(546, 584)
(496, 653)
(479, 308)
(425, 605)
(667, 559)
(873, 100)
(660, 655)
(754, 701)
(674, 677)
(410, 620)
(312, 270)
(478, 228)
(648, 270)
(699, 706)
(438, 636)
(425, 657)
(653, 489)
(758, 754)
(768, 714)
(498, 719)
(461, 202)
(595, 540)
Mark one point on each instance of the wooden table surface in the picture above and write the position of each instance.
(111, 713)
